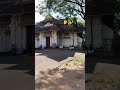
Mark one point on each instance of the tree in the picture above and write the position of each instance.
(116, 23)
(67, 8)
(49, 17)
(116, 9)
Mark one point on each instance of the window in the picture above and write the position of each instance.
(66, 35)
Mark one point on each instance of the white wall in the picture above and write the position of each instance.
(107, 32)
(17, 35)
(18, 32)
(100, 32)
(36, 42)
(4, 39)
(69, 41)
(42, 39)
(87, 31)
(107, 37)
(79, 40)
(97, 31)
(54, 39)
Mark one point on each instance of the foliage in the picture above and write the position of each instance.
(70, 21)
(76, 23)
(67, 21)
(114, 7)
(116, 22)
(67, 8)
(49, 17)
(116, 16)
(79, 60)
(81, 25)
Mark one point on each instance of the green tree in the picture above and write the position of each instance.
(49, 17)
(116, 24)
(81, 25)
(67, 8)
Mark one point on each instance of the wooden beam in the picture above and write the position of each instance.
(20, 1)
(16, 13)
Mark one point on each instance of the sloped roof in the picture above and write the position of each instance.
(54, 27)
(61, 27)
(13, 8)
(100, 7)
(41, 26)
(65, 28)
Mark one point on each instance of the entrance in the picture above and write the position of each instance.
(47, 42)
(30, 38)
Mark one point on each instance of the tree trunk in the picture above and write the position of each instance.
(91, 32)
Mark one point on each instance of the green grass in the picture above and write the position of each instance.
(105, 82)
(79, 60)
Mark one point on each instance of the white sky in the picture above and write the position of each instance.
(39, 17)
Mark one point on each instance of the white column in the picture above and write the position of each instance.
(18, 32)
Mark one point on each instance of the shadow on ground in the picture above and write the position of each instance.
(68, 80)
(91, 62)
(57, 55)
(20, 62)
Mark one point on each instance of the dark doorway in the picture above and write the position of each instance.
(47, 42)
(30, 30)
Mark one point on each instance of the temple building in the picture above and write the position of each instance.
(48, 34)
(99, 24)
(16, 25)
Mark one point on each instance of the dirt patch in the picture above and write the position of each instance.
(68, 76)
(106, 77)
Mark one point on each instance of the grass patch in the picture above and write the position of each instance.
(105, 82)
(79, 60)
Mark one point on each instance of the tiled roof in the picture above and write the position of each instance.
(69, 28)
(61, 27)
(50, 28)
(12, 8)
(99, 7)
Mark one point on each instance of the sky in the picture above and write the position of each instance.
(39, 17)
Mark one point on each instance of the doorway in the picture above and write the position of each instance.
(30, 38)
(47, 42)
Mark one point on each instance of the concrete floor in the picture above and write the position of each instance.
(17, 73)
(49, 59)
